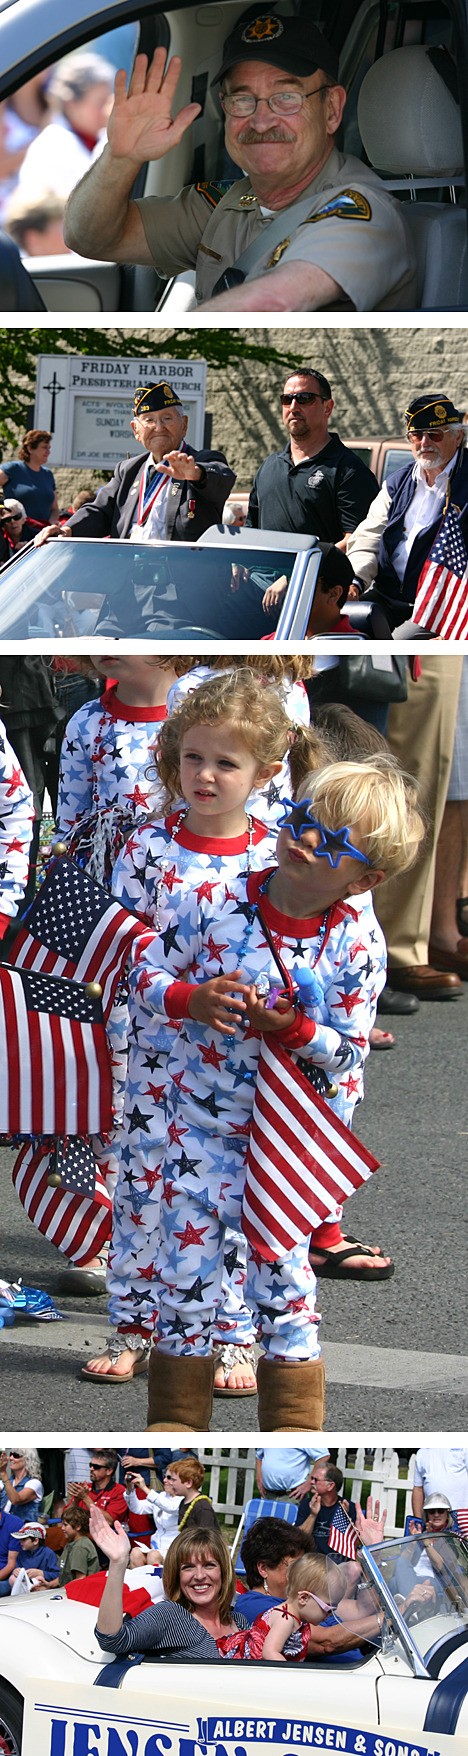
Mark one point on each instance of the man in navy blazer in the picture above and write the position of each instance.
(172, 494)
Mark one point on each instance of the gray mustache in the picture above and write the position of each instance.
(249, 136)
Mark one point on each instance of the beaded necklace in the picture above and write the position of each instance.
(166, 859)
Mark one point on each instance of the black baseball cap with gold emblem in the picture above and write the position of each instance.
(431, 411)
(155, 396)
(294, 44)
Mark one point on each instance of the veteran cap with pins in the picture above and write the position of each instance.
(155, 396)
(294, 44)
(431, 411)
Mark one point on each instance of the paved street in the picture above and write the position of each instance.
(397, 1354)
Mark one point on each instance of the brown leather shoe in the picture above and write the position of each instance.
(426, 982)
(456, 961)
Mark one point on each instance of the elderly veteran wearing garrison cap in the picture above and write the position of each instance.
(172, 494)
(390, 547)
(306, 227)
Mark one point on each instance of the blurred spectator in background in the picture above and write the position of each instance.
(440, 1470)
(285, 1471)
(13, 520)
(235, 514)
(21, 118)
(80, 94)
(36, 222)
(27, 475)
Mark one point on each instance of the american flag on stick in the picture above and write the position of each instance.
(301, 1159)
(441, 603)
(343, 1537)
(461, 1516)
(55, 1073)
(75, 929)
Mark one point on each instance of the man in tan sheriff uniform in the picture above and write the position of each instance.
(330, 235)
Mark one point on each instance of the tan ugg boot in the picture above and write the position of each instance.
(180, 1392)
(291, 1396)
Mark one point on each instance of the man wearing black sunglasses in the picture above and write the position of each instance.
(316, 484)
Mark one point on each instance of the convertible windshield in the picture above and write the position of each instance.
(428, 1579)
(70, 588)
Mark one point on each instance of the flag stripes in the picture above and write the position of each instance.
(301, 1159)
(78, 1226)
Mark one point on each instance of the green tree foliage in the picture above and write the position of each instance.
(20, 349)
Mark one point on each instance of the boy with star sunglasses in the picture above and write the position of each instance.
(354, 824)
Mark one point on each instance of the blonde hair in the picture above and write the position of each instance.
(205, 1545)
(309, 1573)
(278, 667)
(255, 713)
(378, 800)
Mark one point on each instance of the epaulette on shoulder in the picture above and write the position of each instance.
(213, 192)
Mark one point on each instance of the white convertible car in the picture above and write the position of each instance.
(408, 1697)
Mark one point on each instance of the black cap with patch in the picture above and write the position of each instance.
(156, 396)
(431, 411)
(293, 44)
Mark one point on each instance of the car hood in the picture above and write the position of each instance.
(56, 1615)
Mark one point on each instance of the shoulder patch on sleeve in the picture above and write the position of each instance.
(213, 192)
(349, 204)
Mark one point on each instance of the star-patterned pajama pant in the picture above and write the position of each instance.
(201, 1197)
(133, 1276)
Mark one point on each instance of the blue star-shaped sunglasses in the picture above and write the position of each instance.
(334, 843)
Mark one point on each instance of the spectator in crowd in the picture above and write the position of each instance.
(30, 711)
(316, 484)
(10, 1524)
(318, 1510)
(163, 1510)
(21, 118)
(195, 1508)
(76, 1465)
(267, 1551)
(448, 945)
(103, 1490)
(141, 1459)
(32, 1553)
(79, 94)
(13, 519)
(199, 1584)
(440, 1470)
(36, 223)
(28, 477)
(389, 547)
(287, 1471)
(276, 91)
(235, 514)
(80, 1556)
(421, 732)
(22, 1489)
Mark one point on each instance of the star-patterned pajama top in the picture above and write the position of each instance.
(213, 1078)
(107, 766)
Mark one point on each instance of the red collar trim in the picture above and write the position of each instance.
(208, 844)
(118, 709)
(289, 925)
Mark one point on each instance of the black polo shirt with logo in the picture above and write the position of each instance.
(323, 496)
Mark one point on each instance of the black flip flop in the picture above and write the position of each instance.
(331, 1266)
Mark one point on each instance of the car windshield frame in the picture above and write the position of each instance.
(452, 1550)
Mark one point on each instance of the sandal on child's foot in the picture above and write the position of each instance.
(350, 1260)
(234, 1371)
(124, 1357)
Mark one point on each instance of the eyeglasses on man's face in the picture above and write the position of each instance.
(283, 103)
